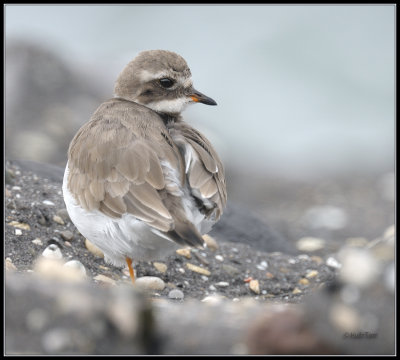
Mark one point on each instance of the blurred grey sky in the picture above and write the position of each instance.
(302, 90)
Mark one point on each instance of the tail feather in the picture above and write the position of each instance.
(186, 234)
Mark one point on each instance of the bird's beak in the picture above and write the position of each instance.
(197, 96)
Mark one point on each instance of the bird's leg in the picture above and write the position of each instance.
(131, 272)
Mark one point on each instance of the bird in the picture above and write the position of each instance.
(140, 182)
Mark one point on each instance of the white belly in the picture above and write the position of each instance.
(124, 237)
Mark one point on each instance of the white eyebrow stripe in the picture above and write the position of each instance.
(146, 76)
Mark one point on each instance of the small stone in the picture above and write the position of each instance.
(18, 232)
(176, 294)
(198, 269)
(214, 299)
(254, 286)
(344, 317)
(152, 283)
(9, 265)
(329, 217)
(292, 261)
(262, 265)
(58, 220)
(37, 241)
(204, 278)
(67, 243)
(63, 214)
(210, 242)
(55, 269)
(311, 274)
(16, 188)
(317, 259)
(332, 262)
(66, 235)
(20, 225)
(222, 284)
(296, 290)
(181, 270)
(219, 258)
(77, 266)
(93, 249)
(303, 281)
(310, 244)
(161, 267)
(269, 275)
(231, 270)
(184, 252)
(104, 279)
(359, 266)
(48, 202)
(212, 288)
(52, 252)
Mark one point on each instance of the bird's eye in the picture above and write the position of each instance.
(166, 83)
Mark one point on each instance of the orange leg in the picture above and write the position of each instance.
(131, 272)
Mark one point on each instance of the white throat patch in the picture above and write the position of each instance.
(173, 106)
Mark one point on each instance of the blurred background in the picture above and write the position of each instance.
(305, 120)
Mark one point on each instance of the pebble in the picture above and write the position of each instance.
(204, 278)
(359, 267)
(296, 290)
(262, 265)
(214, 299)
(310, 244)
(332, 262)
(161, 267)
(52, 252)
(231, 270)
(212, 288)
(329, 217)
(311, 274)
(16, 188)
(76, 266)
(58, 220)
(198, 269)
(181, 270)
(219, 257)
(176, 294)
(48, 202)
(184, 252)
(317, 259)
(210, 242)
(150, 283)
(269, 275)
(37, 241)
(18, 232)
(67, 235)
(63, 214)
(222, 284)
(93, 249)
(254, 286)
(303, 281)
(55, 269)
(20, 225)
(344, 317)
(104, 279)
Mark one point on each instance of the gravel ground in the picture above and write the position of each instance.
(36, 218)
